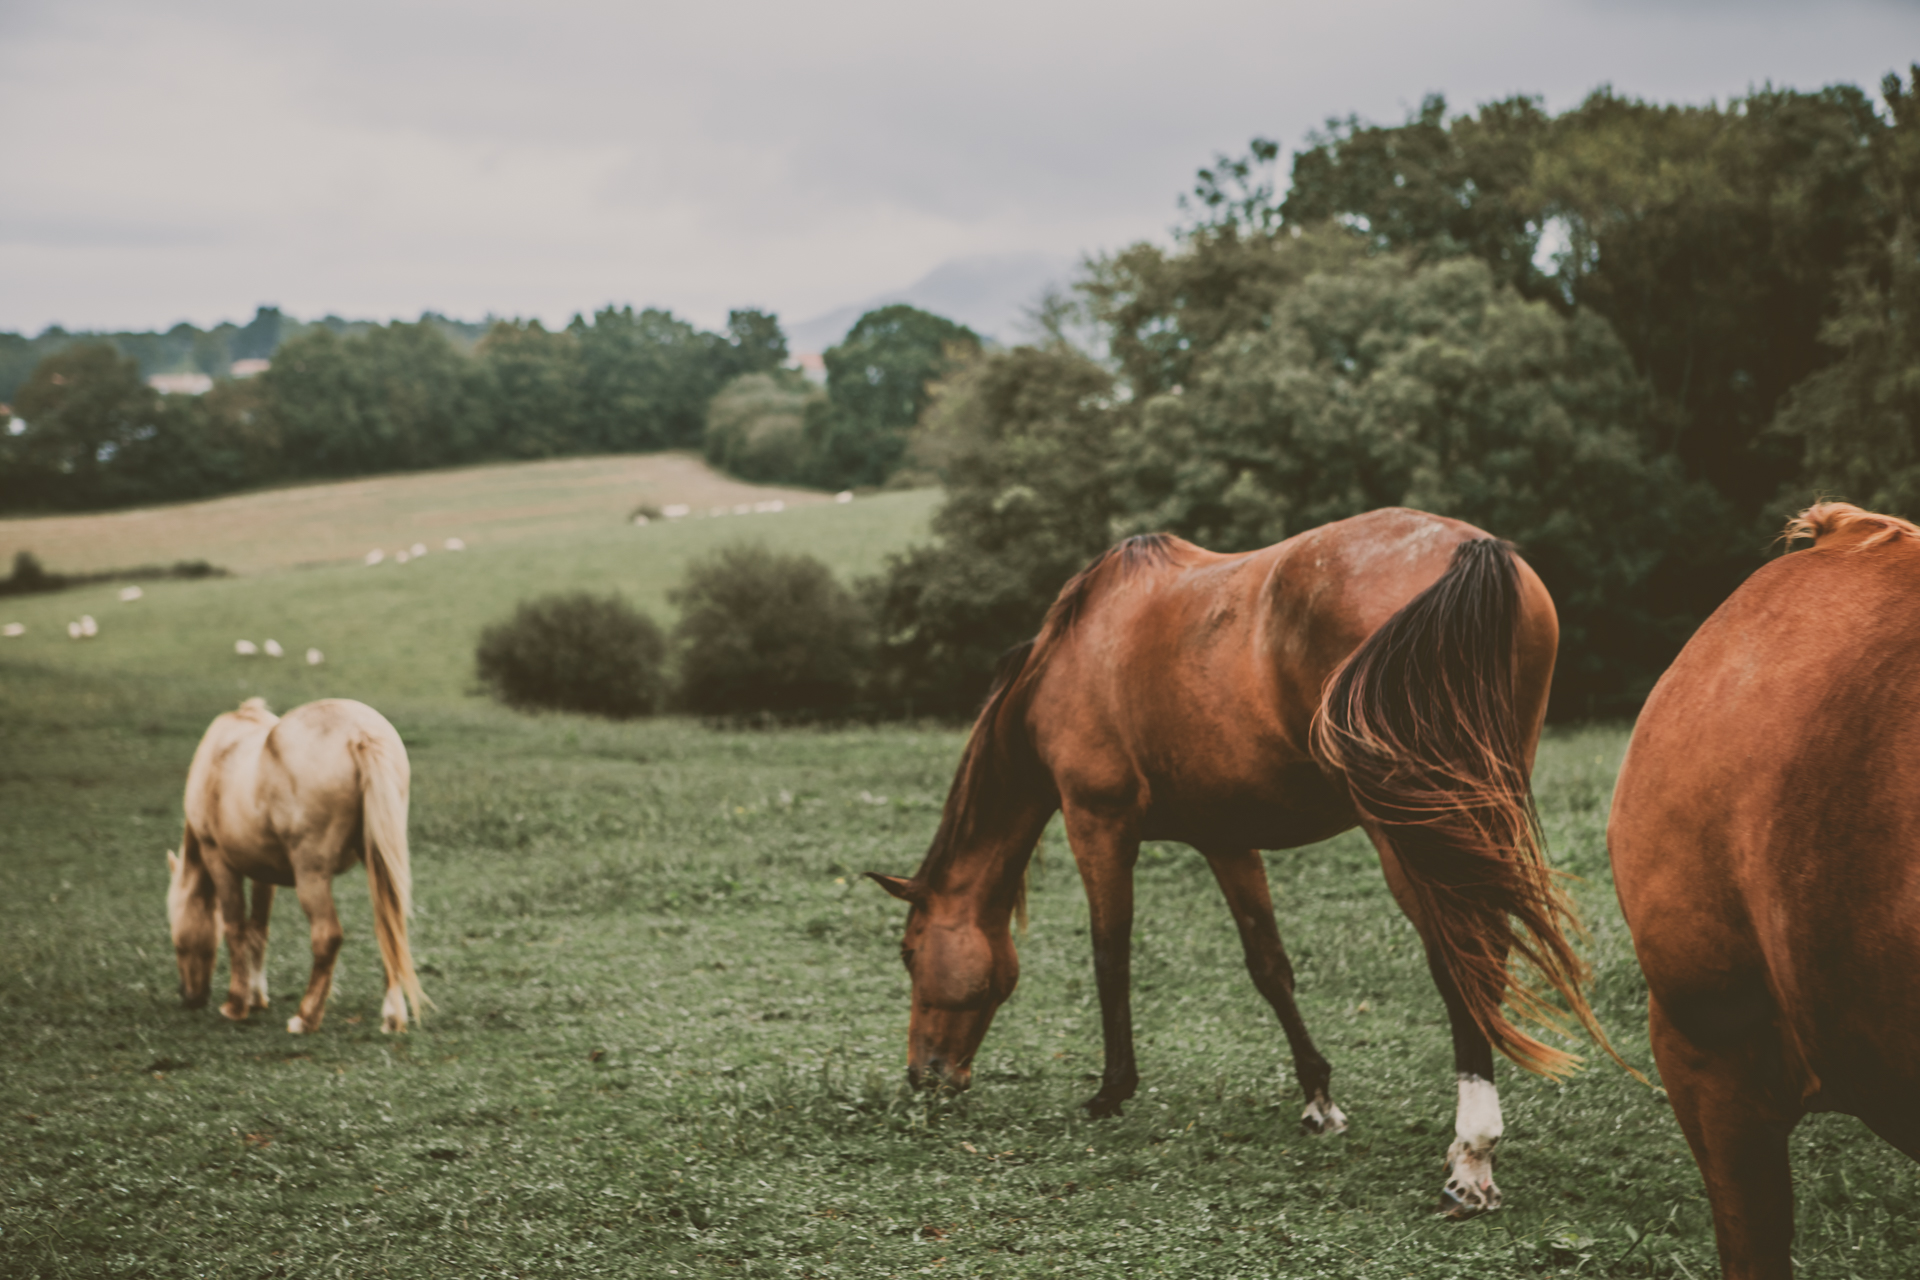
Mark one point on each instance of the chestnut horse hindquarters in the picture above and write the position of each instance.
(1424, 723)
(1765, 841)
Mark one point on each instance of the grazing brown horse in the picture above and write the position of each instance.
(1766, 847)
(1390, 670)
(292, 800)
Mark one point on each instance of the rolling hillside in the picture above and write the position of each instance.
(394, 632)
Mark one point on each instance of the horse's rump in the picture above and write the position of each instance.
(1424, 723)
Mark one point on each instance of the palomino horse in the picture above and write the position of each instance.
(1390, 670)
(1766, 843)
(292, 800)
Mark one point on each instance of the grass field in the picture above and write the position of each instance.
(670, 1026)
(338, 523)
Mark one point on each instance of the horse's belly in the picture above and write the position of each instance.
(1283, 818)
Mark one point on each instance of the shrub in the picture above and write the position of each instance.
(575, 652)
(756, 427)
(764, 632)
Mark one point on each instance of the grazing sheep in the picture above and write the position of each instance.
(73, 631)
(454, 544)
(315, 657)
(417, 550)
(130, 594)
(843, 497)
(88, 627)
(245, 648)
(273, 649)
(676, 511)
(13, 629)
(375, 556)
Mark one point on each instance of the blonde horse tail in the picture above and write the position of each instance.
(383, 802)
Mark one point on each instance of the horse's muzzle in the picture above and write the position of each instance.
(939, 1076)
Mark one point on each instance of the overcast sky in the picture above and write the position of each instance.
(191, 160)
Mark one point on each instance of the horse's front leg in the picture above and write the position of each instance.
(315, 892)
(1242, 877)
(1105, 851)
(230, 895)
(1477, 1123)
(257, 944)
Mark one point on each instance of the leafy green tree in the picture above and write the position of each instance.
(645, 379)
(1019, 439)
(83, 406)
(756, 344)
(877, 380)
(762, 631)
(1433, 187)
(1858, 420)
(397, 397)
(756, 427)
(532, 381)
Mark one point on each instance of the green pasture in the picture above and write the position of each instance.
(669, 1038)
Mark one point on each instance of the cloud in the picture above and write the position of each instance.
(380, 159)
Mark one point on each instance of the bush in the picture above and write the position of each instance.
(764, 632)
(756, 427)
(575, 652)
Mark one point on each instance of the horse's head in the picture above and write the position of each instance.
(963, 970)
(194, 917)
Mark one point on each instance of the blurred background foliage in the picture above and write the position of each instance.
(1631, 337)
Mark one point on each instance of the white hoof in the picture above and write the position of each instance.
(393, 1011)
(1321, 1116)
(296, 1025)
(1470, 1188)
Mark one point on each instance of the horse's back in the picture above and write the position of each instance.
(1187, 680)
(1765, 832)
(263, 787)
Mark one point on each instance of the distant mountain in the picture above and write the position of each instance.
(988, 293)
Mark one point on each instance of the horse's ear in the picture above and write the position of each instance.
(173, 863)
(898, 886)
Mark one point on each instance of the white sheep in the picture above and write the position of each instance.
(676, 510)
(88, 627)
(13, 629)
(273, 649)
(315, 657)
(417, 550)
(454, 544)
(130, 594)
(245, 648)
(843, 497)
(375, 556)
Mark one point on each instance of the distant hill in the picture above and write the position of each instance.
(988, 293)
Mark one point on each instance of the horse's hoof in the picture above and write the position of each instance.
(297, 1025)
(1459, 1201)
(228, 1012)
(1101, 1107)
(1321, 1116)
(1470, 1189)
(391, 1024)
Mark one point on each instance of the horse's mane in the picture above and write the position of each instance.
(987, 759)
(1826, 518)
(1128, 555)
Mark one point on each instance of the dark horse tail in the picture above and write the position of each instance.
(1423, 723)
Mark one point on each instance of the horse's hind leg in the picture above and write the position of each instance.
(1477, 1122)
(1737, 1108)
(257, 944)
(1243, 880)
(316, 899)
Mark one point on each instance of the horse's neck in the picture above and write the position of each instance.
(986, 860)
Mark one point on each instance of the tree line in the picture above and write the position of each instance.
(336, 401)
(1630, 337)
